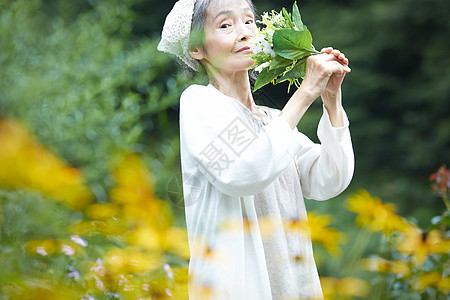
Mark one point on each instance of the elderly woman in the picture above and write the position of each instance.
(246, 167)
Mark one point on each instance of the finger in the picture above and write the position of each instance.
(326, 50)
(336, 52)
(337, 67)
(342, 59)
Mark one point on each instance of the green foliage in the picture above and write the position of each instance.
(296, 17)
(84, 84)
(26, 216)
(292, 44)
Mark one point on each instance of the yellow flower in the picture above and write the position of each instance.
(132, 260)
(102, 211)
(26, 164)
(134, 195)
(144, 237)
(379, 264)
(343, 288)
(176, 241)
(110, 226)
(181, 277)
(418, 244)
(317, 227)
(432, 279)
(134, 182)
(43, 247)
(204, 291)
(266, 224)
(201, 248)
(375, 215)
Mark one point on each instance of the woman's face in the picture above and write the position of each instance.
(228, 27)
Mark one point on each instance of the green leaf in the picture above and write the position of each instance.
(292, 44)
(279, 62)
(296, 17)
(287, 17)
(298, 71)
(266, 76)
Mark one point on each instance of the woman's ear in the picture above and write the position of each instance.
(197, 53)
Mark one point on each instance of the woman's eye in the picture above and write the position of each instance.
(224, 25)
(249, 22)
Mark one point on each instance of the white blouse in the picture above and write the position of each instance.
(244, 178)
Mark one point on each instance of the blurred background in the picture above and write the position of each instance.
(83, 82)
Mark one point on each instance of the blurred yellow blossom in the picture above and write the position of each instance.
(202, 248)
(110, 226)
(176, 241)
(134, 182)
(42, 247)
(343, 288)
(419, 245)
(267, 226)
(26, 164)
(134, 195)
(46, 247)
(317, 227)
(181, 278)
(374, 214)
(101, 211)
(204, 291)
(132, 260)
(378, 264)
(432, 279)
(145, 237)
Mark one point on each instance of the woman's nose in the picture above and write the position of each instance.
(245, 32)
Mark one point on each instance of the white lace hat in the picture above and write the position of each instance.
(176, 32)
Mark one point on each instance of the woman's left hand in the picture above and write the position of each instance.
(331, 96)
(333, 87)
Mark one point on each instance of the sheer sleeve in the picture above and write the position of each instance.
(216, 138)
(326, 169)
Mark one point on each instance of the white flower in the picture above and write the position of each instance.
(98, 268)
(99, 284)
(41, 251)
(168, 270)
(73, 274)
(67, 250)
(278, 18)
(79, 240)
(262, 66)
(267, 48)
(125, 282)
(168, 292)
(115, 295)
(255, 45)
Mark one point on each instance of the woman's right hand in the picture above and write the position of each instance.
(319, 69)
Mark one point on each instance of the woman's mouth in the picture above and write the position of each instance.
(245, 49)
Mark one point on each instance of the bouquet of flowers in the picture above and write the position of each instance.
(280, 48)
